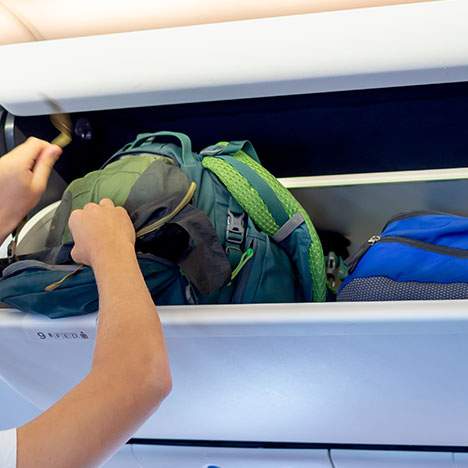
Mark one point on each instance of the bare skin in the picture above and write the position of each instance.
(24, 173)
(130, 374)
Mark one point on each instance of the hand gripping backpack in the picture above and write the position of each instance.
(214, 227)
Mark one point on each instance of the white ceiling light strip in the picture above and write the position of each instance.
(59, 19)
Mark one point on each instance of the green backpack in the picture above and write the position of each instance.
(272, 245)
(214, 227)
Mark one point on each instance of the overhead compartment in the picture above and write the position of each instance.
(353, 159)
(378, 373)
(391, 373)
(359, 205)
(372, 373)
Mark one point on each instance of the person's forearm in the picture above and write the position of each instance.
(129, 335)
(128, 379)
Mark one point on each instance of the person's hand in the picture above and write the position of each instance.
(101, 231)
(24, 173)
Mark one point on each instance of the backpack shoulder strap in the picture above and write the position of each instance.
(272, 208)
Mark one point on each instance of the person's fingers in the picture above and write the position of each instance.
(33, 143)
(75, 255)
(122, 211)
(106, 202)
(74, 219)
(30, 150)
(57, 150)
(44, 165)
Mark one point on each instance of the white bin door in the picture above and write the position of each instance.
(377, 459)
(324, 373)
(461, 460)
(14, 409)
(124, 458)
(208, 457)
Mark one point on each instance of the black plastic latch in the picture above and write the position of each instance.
(235, 229)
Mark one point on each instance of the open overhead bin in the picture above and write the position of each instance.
(376, 374)
(340, 50)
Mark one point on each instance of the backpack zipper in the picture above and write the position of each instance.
(353, 260)
(161, 221)
(246, 256)
(413, 214)
(440, 249)
(244, 279)
(57, 284)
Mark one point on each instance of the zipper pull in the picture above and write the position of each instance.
(57, 284)
(353, 260)
(373, 240)
(246, 256)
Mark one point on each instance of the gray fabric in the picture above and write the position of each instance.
(155, 209)
(60, 221)
(288, 227)
(56, 186)
(161, 180)
(379, 288)
(205, 264)
(27, 264)
(188, 240)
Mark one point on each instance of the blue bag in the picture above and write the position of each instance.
(418, 256)
(59, 291)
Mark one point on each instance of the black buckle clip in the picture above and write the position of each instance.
(235, 229)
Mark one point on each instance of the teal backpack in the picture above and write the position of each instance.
(246, 239)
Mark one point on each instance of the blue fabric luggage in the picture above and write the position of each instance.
(417, 256)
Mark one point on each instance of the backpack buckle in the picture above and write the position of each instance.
(235, 229)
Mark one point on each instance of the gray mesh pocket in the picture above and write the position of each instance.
(379, 288)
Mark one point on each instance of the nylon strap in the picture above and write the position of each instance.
(289, 227)
(246, 195)
(264, 190)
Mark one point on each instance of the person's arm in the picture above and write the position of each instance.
(130, 373)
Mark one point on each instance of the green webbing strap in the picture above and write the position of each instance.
(262, 204)
(264, 190)
(246, 195)
(292, 206)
